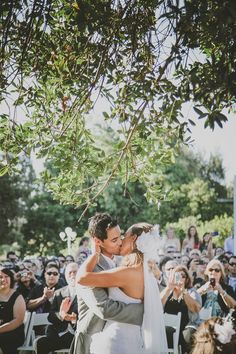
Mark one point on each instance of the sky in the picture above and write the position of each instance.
(221, 141)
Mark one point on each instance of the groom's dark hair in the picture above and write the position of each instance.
(99, 224)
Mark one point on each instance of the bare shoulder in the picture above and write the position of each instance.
(133, 271)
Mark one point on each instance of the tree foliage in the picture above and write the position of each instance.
(58, 57)
(30, 217)
(15, 191)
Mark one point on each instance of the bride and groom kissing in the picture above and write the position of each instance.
(120, 310)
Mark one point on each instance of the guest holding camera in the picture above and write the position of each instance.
(26, 281)
(180, 296)
(215, 294)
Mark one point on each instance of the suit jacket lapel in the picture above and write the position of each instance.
(103, 264)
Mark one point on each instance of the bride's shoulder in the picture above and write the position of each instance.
(137, 268)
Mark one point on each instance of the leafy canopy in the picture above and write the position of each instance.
(58, 58)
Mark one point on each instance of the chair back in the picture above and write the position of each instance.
(174, 322)
(38, 319)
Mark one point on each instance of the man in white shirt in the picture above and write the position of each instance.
(229, 243)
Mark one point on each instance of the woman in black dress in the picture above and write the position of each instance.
(12, 312)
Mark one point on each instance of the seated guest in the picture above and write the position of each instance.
(63, 316)
(40, 297)
(166, 271)
(185, 260)
(199, 279)
(12, 312)
(218, 251)
(215, 293)
(225, 262)
(69, 259)
(177, 256)
(26, 281)
(83, 248)
(180, 296)
(231, 276)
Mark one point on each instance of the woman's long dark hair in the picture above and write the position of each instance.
(8, 272)
(196, 238)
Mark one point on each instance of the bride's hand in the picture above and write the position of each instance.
(96, 249)
(154, 268)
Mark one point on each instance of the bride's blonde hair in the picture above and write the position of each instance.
(205, 339)
(136, 257)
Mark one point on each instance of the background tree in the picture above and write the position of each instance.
(36, 219)
(140, 56)
(15, 190)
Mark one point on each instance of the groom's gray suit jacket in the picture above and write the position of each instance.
(95, 307)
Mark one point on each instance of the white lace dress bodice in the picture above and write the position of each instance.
(116, 337)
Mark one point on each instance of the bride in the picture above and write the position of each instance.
(131, 282)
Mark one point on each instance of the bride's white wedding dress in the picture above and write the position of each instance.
(116, 337)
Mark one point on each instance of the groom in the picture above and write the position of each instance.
(94, 306)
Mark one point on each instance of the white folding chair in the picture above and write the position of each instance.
(37, 319)
(27, 320)
(174, 322)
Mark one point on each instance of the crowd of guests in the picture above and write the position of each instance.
(193, 277)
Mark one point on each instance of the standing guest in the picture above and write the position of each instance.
(191, 241)
(207, 244)
(12, 312)
(170, 240)
(229, 243)
(180, 296)
(63, 316)
(215, 294)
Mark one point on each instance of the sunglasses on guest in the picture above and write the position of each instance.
(217, 270)
(233, 264)
(52, 273)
